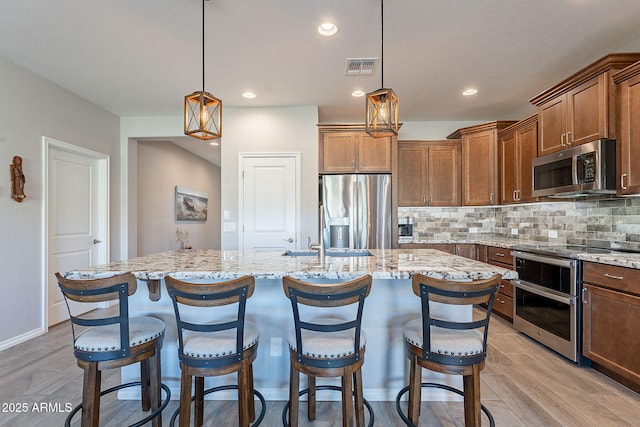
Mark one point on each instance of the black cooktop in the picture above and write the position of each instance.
(566, 251)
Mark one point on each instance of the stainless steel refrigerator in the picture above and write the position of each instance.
(357, 211)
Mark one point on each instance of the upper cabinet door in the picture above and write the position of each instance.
(479, 170)
(628, 91)
(510, 169)
(528, 148)
(412, 175)
(374, 154)
(553, 125)
(444, 175)
(587, 112)
(338, 152)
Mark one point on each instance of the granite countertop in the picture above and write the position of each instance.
(622, 259)
(217, 264)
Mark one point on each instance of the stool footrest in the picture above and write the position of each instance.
(404, 390)
(227, 387)
(285, 411)
(155, 413)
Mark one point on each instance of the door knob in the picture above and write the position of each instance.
(290, 240)
(96, 241)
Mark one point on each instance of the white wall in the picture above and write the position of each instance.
(30, 108)
(259, 130)
(161, 166)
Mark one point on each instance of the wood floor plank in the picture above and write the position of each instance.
(523, 384)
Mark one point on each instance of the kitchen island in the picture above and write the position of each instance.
(390, 305)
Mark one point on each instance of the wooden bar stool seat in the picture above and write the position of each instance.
(213, 344)
(448, 346)
(113, 342)
(327, 346)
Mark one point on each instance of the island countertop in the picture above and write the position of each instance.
(271, 264)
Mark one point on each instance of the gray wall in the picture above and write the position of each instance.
(160, 167)
(30, 108)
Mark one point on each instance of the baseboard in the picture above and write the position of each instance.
(21, 338)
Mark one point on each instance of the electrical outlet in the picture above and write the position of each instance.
(553, 234)
(276, 347)
(473, 229)
(514, 231)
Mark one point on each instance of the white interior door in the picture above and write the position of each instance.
(269, 186)
(77, 219)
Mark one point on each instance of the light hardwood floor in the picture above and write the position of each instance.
(523, 384)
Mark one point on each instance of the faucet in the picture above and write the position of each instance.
(317, 246)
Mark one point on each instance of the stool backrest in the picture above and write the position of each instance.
(112, 288)
(207, 295)
(431, 289)
(327, 296)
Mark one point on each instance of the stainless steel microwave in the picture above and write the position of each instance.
(578, 171)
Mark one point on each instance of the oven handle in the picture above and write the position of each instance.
(543, 293)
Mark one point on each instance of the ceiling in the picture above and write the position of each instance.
(140, 58)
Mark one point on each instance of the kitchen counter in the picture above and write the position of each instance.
(623, 259)
(270, 264)
(389, 306)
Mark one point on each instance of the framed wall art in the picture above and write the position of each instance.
(191, 205)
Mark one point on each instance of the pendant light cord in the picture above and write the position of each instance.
(203, 45)
(382, 43)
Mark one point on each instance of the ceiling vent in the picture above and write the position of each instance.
(358, 66)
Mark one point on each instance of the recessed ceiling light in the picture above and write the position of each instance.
(357, 93)
(469, 92)
(249, 95)
(327, 29)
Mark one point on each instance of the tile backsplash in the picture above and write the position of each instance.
(609, 223)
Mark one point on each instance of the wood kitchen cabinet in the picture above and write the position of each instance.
(581, 108)
(349, 149)
(628, 143)
(611, 310)
(518, 145)
(480, 162)
(503, 304)
(429, 173)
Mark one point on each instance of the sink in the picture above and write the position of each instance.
(333, 253)
(348, 253)
(300, 253)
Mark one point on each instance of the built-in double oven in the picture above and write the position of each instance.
(546, 301)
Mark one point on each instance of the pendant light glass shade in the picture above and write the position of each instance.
(202, 111)
(202, 115)
(381, 105)
(382, 113)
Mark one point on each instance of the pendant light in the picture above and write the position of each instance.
(381, 105)
(202, 111)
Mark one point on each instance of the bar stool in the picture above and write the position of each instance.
(210, 344)
(448, 346)
(327, 346)
(113, 342)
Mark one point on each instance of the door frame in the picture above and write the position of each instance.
(241, 157)
(103, 196)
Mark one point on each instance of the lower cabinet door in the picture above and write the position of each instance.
(503, 305)
(610, 330)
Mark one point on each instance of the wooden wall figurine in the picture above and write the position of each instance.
(17, 179)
